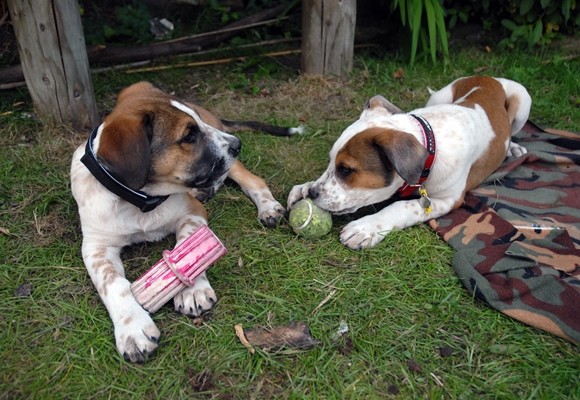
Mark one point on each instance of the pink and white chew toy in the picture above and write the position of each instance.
(178, 269)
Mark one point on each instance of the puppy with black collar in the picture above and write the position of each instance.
(436, 153)
(139, 178)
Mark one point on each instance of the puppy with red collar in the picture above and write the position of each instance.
(138, 178)
(438, 153)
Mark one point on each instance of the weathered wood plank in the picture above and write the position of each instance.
(109, 55)
(54, 60)
(328, 36)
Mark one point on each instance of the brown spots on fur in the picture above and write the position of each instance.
(371, 158)
(146, 139)
(100, 263)
(100, 253)
(127, 320)
(108, 274)
(490, 96)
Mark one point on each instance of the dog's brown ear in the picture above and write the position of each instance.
(405, 153)
(380, 101)
(124, 148)
(139, 89)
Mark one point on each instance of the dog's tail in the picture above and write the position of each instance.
(233, 126)
(518, 103)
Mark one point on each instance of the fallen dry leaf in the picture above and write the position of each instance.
(399, 73)
(296, 336)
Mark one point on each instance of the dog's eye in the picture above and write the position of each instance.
(191, 134)
(343, 171)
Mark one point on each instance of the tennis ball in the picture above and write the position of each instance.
(308, 220)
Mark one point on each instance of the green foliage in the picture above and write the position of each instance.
(537, 23)
(129, 23)
(227, 15)
(132, 22)
(415, 13)
(526, 23)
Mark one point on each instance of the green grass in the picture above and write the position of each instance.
(401, 299)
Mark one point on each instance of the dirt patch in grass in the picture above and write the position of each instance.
(300, 99)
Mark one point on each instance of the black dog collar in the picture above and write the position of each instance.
(139, 199)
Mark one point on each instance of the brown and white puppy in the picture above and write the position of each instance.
(137, 178)
(382, 153)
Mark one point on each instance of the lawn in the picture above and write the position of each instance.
(414, 331)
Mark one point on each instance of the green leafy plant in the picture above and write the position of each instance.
(415, 13)
(227, 14)
(537, 23)
(526, 23)
(132, 21)
(128, 23)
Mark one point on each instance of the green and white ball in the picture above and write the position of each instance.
(308, 220)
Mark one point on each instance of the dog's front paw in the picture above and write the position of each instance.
(197, 299)
(136, 336)
(515, 150)
(298, 193)
(270, 214)
(361, 234)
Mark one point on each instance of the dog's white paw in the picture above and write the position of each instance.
(515, 150)
(270, 213)
(197, 299)
(298, 193)
(361, 234)
(136, 336)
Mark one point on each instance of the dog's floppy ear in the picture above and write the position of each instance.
(406, 154)
(124, 148)
(139, 89)
(380, 101)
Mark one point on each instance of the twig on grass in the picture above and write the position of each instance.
(240, 334)
(324, 301)
(436, 379)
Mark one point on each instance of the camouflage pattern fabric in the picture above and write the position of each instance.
(517, 236)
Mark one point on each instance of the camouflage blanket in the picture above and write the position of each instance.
(517, 237)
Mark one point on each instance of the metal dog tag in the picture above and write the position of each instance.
(425, 202)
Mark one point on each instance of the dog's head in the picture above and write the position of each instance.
(153, 141)
(369, 162)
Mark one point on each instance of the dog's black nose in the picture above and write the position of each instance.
(234, 146)
(313, 192)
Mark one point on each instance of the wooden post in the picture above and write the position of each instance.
(328, 36)
(54, 60)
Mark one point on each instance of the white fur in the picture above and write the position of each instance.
(108, 224)
(462, 136)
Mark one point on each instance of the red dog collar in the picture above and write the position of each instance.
(429, 142)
